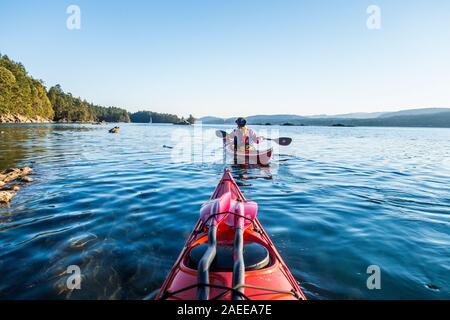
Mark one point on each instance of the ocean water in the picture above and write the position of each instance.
(120, 207)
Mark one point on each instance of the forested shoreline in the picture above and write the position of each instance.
(149, 116)
(21, 94)
(25, 99)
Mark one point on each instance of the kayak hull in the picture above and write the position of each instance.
(261, 157)
(270, 280)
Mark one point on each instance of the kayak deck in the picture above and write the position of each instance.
(266, 276)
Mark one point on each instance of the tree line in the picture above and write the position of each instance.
(70, 109)
(149, 116)
(22, 94)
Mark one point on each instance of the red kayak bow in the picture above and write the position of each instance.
(229, 255)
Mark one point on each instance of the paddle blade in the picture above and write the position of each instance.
(221, 134)
(283, 141)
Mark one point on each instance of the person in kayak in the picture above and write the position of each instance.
(244, 136)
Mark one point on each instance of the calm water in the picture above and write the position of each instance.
(121, 206)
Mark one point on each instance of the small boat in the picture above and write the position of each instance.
(261, 157)
(229, 256)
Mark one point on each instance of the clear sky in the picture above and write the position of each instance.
(230, 57)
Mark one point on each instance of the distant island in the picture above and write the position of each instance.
(426, 117)
(24, 99)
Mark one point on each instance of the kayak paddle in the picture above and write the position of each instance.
(283, 141)
(221, 134)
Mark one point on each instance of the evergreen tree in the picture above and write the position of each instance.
(191, 119)
(20, 93)
(144, 117)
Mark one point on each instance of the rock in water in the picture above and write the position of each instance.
(6, 196)
(18, 118)
(9, 177)
(114, 130)
(12, 174)
(27, 179)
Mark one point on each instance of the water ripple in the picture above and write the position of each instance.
(120, 207)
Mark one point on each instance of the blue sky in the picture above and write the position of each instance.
(229, 57)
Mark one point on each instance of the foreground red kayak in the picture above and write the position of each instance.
(229, 256)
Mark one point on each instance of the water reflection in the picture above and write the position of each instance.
(22, 145)
(15, 144)
(244, 174)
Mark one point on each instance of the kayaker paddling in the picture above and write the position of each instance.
(243, 137)
(239, 144)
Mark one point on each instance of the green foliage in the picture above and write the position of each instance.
(20, 93)
(70, 109)
(191, 119)
(110, 114)
(23, 95)
(7, 81)
(144, 117)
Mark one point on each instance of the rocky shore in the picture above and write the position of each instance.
(17, 118)
(11, 181)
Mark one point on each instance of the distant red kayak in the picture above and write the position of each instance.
(261, 157)
(229, 256)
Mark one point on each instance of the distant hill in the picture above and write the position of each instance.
(212, 120)
(434, 119)
(279, 119)
(359, 115)
(426, 117)
(258, 119)
(414, 112)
